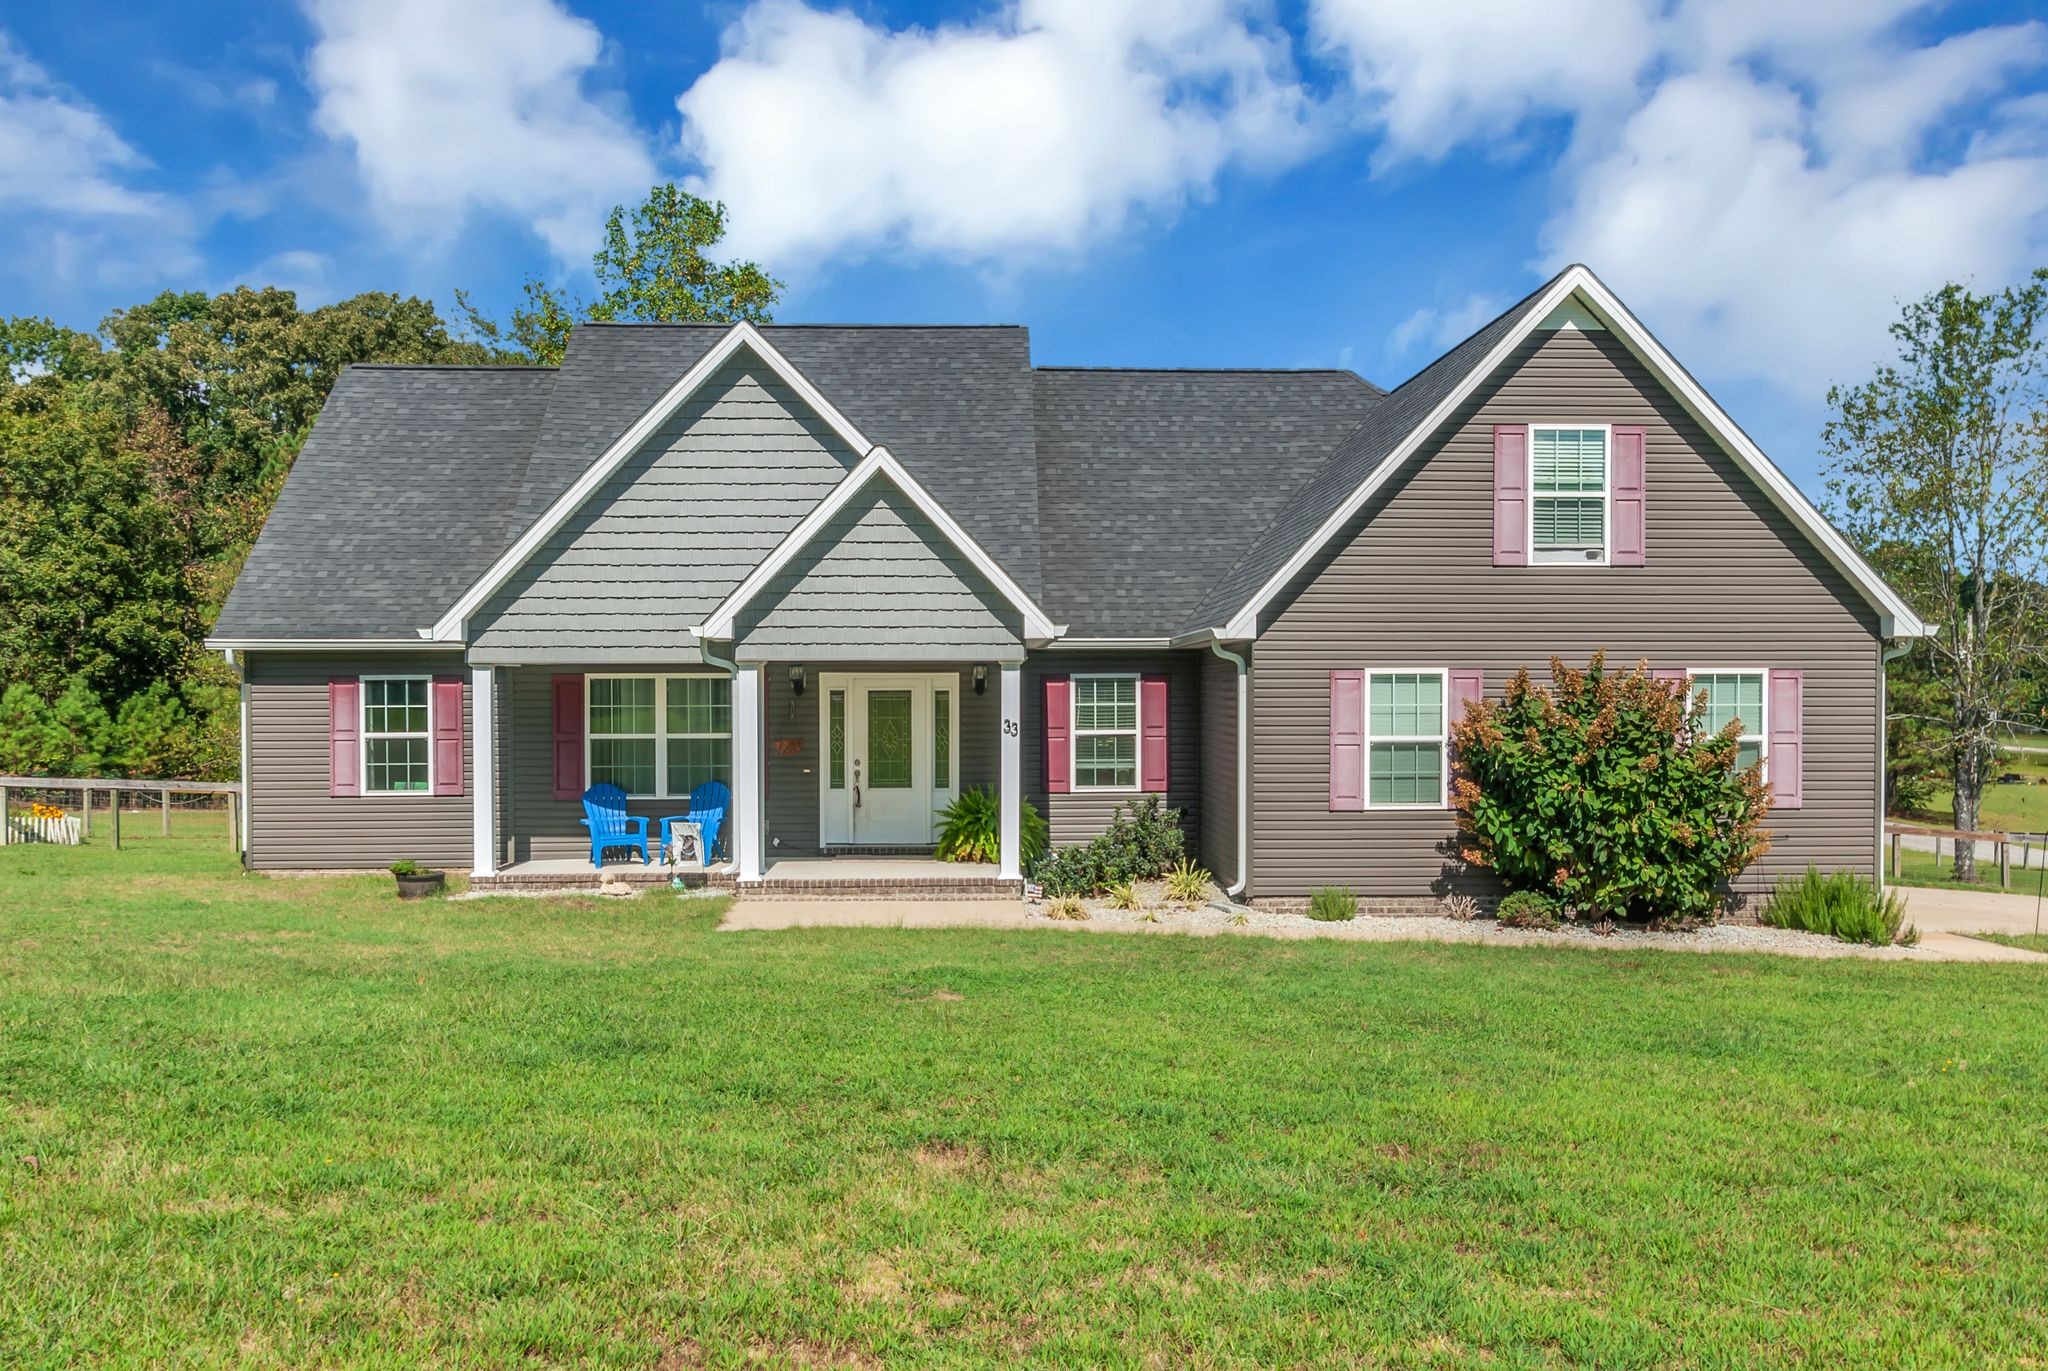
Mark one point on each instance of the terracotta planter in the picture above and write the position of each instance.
(421, 884)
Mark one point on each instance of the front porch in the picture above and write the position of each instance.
(838, 770)
(811, 878)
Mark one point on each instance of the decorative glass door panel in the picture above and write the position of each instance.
(891, 765)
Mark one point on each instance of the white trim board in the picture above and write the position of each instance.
(1579, 286)
(879, 462)
(450, 626)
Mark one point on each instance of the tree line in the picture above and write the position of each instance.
(138, 461)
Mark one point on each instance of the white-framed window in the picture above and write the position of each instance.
(1736, 693)
(658, 737)
(1105, 732)
(1569, 490)
(1406, 720)
(398, 738)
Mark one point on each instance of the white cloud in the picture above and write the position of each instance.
(1040, 129)
(1433, 76)
(454, 106)
(66, 173)
(1771, 229)
(1763, 180)
(1441, 327)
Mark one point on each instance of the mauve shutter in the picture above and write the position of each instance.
(1627, 476)
(1347, 740)
(1152, 733)
(447, 735)
(1468, 687)
(1672, 676)
(1059, 745)
(1511, 495)
(344, 736)
(568, 737)
(1788, 747)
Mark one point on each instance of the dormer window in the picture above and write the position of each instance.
(1568, 505)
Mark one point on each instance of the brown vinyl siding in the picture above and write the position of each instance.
(1079, 815)
(294, 824)
(1218, 845)
(1729, 582)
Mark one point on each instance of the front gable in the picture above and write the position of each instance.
(671, 529)
(878, 580)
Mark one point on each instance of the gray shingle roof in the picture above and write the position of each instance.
(1149, 482)
(1128, 503)
(400, 500)
(1354, 460)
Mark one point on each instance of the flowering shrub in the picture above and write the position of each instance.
(39, 810)
(1602, 792)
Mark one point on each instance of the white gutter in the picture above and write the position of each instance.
(1244, 768)
(328, 645)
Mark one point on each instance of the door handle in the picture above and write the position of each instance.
(856, 783)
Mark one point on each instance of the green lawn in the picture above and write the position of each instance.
(296, 1123)
(2007, 808)
(2031, 942)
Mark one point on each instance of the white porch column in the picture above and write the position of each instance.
(1012, 772)
(746, 769)
(483, 783)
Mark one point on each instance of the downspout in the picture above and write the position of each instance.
(1244, 766)
(1889, 653)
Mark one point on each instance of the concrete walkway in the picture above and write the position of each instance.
(1942, 920)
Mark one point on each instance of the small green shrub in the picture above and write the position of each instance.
(1332, 904)
(1139, 844)
(1840, 904)
(1607, 790)
(1068, 908)
(1528, 909)
(1124, 895)
(971, 829)
(407, 867)
(1187, 883)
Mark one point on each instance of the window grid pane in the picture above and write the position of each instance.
(394, 706)
(1733, 695)
(942, 739)
(1570, 461)
(1407, 773)
(622, 705)
(396, 764)
(1407, 704)
(1105, 702)
(627, 763)
(694, 761)
(1569, 522)
(1106, 759)
(699, 705)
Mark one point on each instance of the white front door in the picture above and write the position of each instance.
(889, 743)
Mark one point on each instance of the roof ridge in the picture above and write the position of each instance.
(717, 324)
(453, 366)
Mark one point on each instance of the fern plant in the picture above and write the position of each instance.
(971, 829)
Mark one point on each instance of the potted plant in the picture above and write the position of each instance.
(415, 882)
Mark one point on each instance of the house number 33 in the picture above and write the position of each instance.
(1010, 728)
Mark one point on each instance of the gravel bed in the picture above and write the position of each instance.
(1221, 916)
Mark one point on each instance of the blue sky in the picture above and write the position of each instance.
(1173, 182)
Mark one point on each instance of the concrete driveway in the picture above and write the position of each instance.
(1945, 916)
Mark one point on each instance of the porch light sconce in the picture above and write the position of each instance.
(796, 680)
(980, 680)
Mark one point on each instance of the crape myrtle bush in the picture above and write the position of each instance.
(1603, 792)
(1141, 841)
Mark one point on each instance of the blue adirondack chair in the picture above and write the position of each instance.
(604, 814)
(709, 804)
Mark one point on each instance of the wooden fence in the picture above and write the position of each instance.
(114, 787)
(2003, 841)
